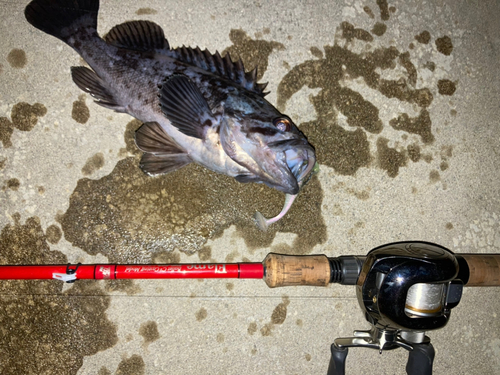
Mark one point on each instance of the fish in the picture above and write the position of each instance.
(195, 106)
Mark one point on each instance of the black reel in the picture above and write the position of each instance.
(404, 290)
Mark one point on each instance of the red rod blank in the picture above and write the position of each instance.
(134, 271)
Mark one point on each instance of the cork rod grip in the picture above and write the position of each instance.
(288, 270)
(484, 269)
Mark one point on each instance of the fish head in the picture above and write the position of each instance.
(269, 145)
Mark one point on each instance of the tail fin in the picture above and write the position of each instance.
(63, 18)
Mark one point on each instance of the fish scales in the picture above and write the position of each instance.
(196, 106)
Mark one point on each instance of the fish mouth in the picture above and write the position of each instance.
(302, 163)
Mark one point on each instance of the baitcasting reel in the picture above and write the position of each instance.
(404, 290)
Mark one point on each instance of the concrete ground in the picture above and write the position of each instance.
(401, 101)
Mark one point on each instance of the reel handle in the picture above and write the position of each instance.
(420, 360)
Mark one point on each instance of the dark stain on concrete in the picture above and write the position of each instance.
(279, 313)
(347, 151)
(308, 357)
(444, 45)
(430, 65)
(53, 234)
(434, 176)
(389, 158)
(446, 87)
(369, 11)
(413, 152)
(379, 29)
(131, 366)
(424, 37)
(13, 184)
(6, 130)
(421, 125)
(404, 60)
(166, 257)
(17, 58)
(384, 9)
(24, 117)
(124, 285)
(205, 253)
(254, 53)
(201, 314)
(220, 338)
(104, 371)
(252, 328)
(43, 329)
(443, 166)
(349, 32)
(149, 331)
(315, 51)
(80, 111)
(94, 163)
(449, 226)
(145, 11)
(230, 286)
(277, 317)
(3, 162)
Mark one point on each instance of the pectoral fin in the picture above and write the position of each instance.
(185, 107)
(162, 154)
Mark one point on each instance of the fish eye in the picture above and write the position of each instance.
(283, 124)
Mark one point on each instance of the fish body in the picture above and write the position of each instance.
(195, 106)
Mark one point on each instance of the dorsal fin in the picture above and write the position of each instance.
(138, 36)
(222, 66)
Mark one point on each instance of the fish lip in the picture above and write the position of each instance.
(304, 152)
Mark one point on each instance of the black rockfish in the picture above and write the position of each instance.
(195, 106)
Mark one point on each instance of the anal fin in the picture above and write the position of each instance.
(162, 154)
(88, 81)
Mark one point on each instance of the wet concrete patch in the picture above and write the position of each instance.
(145, 11)
(201, 314)
(348, 150)
(444, 45)
(446, 87)
(43, 329)
(149, 331)
(17, 58)
(253, 52)
(53, 234)
(424, 37)
(24, 117)
(94, 163)
(80, 112)
(134, 365)
(277, 317)
(129, 216)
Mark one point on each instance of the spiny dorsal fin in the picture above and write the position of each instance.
(222, 66)
(138, 36)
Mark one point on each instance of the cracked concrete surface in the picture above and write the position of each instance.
(400, 100)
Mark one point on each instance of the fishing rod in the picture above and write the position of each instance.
(403, 288)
